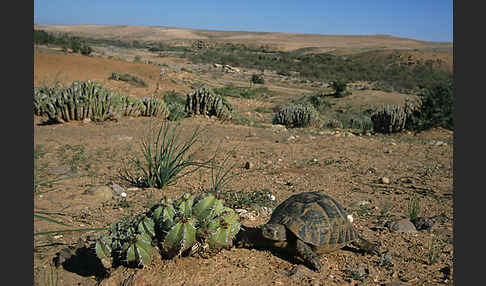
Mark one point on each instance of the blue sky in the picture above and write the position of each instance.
(429, 20)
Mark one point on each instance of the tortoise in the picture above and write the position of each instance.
(309, 224)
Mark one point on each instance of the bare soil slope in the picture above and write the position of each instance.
(282, 41)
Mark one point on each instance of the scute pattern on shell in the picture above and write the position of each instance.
(316, 219)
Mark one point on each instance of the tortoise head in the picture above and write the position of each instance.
(274, 231)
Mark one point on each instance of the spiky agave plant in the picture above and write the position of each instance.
(186, 226)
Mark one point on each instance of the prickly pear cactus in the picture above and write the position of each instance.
(204, 102)
(187, 226)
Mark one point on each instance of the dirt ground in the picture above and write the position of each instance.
(346, 166)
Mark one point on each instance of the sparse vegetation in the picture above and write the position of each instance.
(76, 44)
(413, 208)
(387, 74)
(257, 79)
(134, 80)
(164, 158)
(433, 253)
(340, 88)
(260, 93)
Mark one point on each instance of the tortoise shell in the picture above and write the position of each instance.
(317, 219)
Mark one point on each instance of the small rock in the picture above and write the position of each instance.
(123, 137)
(249, 165)
(103, 193)
(278, 127)
(299, 271)
(394, 283)
(423, 223)
(408, 276)
(245, 214)
(368, 134)
(290, 138)
(403, 225)
(63, 255)
(59, 170)
(359, 204)
(385, 180)
(117, 188)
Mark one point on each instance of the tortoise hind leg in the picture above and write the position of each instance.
(305, 251)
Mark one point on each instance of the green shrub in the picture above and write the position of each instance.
(128, 78)
(257, 79)
(319, 102)
(339, 87)
(436, 108)
(242, 92)
(86, 50)
(297, 115)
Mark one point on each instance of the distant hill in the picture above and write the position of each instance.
(282, 41)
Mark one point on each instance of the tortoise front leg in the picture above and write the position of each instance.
(305, 251)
